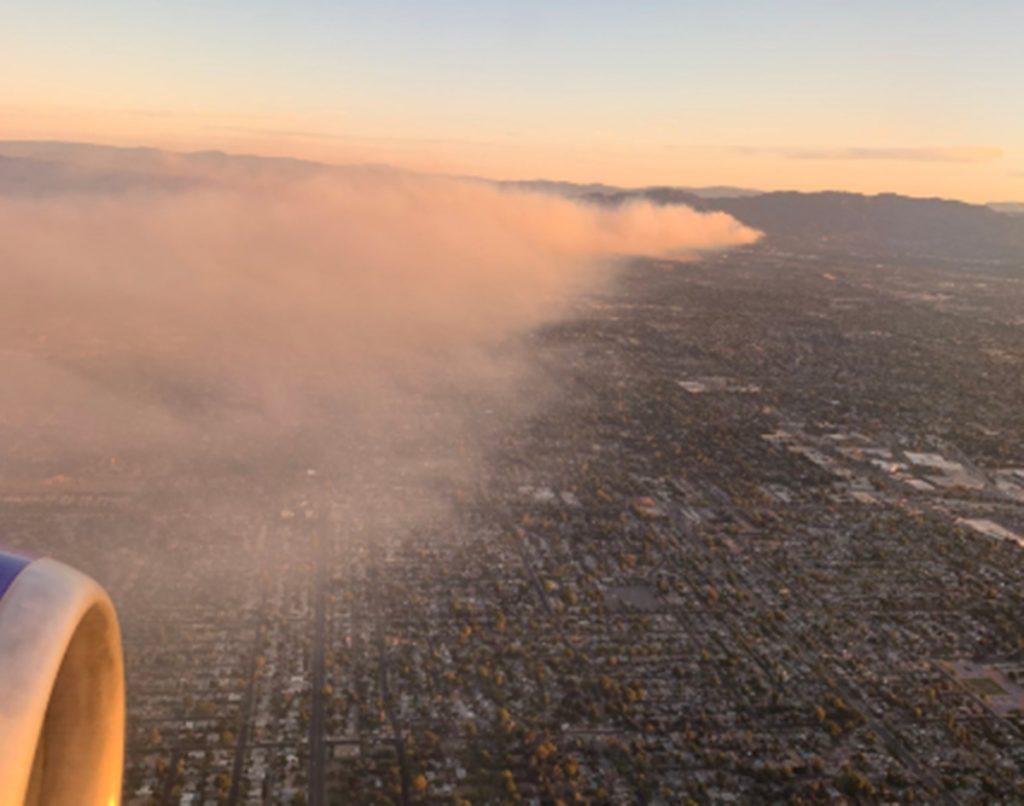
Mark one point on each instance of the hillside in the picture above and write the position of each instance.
(886, 225)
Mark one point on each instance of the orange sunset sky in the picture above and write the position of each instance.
(917, 98)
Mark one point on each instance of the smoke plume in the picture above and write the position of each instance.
(212, 315)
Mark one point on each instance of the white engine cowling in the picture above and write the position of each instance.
(61, 687)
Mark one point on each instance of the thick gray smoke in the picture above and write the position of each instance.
(217, 315)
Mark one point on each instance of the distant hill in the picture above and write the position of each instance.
(575, 190)
(32, 177)
(43, 168)
(883, 226)
(723, 192)
(1010, 208)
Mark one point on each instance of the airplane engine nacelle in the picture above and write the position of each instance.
(61, 687)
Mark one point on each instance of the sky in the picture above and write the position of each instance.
(913, 97)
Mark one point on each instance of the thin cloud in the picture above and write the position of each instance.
(301, 134)
(955, 154)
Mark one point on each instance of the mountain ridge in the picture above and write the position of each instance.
(882, 225)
